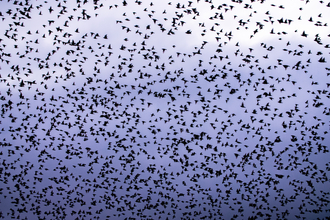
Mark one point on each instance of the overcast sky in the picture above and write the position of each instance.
(155, 110)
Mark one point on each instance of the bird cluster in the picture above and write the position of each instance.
(164, 110)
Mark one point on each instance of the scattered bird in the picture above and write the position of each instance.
(163, 110)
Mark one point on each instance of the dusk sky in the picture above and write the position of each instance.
(164, 110)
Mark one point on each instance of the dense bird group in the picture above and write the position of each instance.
(164, 110)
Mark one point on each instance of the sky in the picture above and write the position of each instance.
(164, 110)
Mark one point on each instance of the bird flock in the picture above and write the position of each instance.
(133, 109)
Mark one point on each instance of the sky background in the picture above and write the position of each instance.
(155, 110)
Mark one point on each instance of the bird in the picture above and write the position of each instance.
(163, 110)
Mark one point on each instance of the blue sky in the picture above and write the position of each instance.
(179, 110)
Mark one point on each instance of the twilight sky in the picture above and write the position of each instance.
(156, 110)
